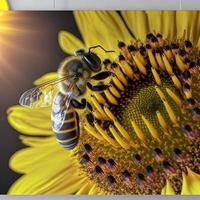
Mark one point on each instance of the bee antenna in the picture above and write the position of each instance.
(99, 46)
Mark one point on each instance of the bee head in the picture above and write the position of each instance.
(90, 59)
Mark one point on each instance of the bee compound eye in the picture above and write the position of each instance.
(92, 61)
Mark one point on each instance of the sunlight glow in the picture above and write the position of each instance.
(3, 5)
(9, 31)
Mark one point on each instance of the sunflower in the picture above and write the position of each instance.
(141, 135)
(3, 5)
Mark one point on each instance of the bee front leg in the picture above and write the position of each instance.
(101, 75)
(79, 105)
(97, 88)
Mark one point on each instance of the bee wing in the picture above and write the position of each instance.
(42, 95)
(59, 118)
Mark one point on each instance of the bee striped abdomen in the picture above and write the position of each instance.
(65, 122)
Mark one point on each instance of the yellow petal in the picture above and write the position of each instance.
(155, 20)
(191, 183)
(168, 190)
(47, 170)
(168, 29)
(189, 21)
(163, 22)
(137, 22)
(47, 77)
(93, 190)
(85, 189)
(43, 183)
(102, 28)
(36, 141)
(30, 121)
(68, 42)
(30, 159)
(4, 5)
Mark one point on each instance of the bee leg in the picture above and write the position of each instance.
(89, 106)
(101, 75)
(97, 88)
(90, 119)
(77, 104)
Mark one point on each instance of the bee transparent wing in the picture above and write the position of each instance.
(42, 95)
(59, 118)
(36, 97)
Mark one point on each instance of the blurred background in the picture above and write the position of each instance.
(28, 49)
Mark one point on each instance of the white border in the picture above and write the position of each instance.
(104, 4)
(117, 4)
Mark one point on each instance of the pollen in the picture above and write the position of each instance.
(142, 132)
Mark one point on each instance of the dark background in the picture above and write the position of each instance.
(32, 50)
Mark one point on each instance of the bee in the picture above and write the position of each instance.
(65, 94)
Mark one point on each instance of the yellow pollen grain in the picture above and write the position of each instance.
(156, 76)
(152, 130)
(180, 63)
(121, 142)
(105, 135)
(98, 107)
(114, 91)
(117, 83)
(110, 97)
(167, 64)
(99, 97)
(126, 68)
(109, 113)
(152, 59)
(160, 61)
(125, 53)
(162, 121)
(139, 65)
(121, 129)
(138, 132)
(168, 54)
(170, 112)
(141, 58)
(92, 131)
(97, 114)
(120, 75)
(176, 99)
(188, 94)
(160, 93)
(176, 81)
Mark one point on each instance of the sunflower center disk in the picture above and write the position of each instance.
(142, 131)
(143, 101)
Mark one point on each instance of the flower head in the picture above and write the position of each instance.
(139, 136)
